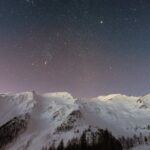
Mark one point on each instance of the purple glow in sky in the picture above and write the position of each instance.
(84, 47)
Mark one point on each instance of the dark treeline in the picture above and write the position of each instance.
(100, 140)
(11, 130)
(129, 142)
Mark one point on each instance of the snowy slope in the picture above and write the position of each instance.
(56, 116)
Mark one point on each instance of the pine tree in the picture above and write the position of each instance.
(61, 146)
(83, 141)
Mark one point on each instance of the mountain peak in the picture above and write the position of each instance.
(56, 116)
(107, 97)
(62, 95)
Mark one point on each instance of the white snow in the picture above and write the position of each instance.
(121, 114)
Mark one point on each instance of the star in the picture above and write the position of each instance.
(45, 62)
(101, 21)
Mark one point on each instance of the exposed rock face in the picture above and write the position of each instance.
(11, 130)
(70, 121)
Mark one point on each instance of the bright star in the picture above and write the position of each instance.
(45, 62)
(101, 22)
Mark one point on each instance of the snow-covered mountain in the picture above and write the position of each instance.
(45, 118)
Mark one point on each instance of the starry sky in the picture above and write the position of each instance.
(85, 47)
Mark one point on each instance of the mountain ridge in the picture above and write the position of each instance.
(57, 116)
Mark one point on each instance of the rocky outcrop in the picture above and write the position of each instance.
(11, 130)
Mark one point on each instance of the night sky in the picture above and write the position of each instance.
(85, 47)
